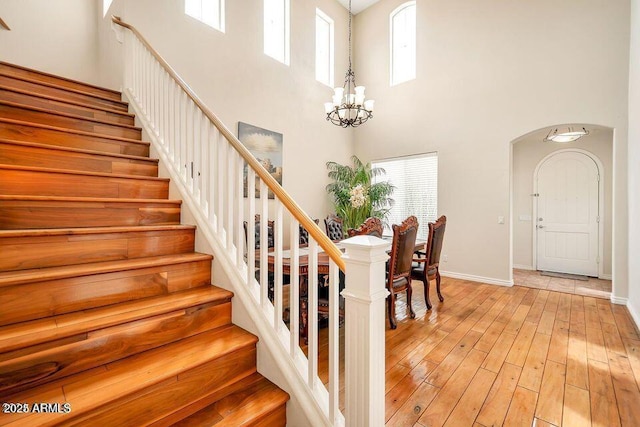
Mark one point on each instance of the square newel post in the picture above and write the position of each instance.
(364, 293)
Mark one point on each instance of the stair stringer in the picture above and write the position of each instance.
(306, 406)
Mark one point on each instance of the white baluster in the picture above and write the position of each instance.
(222, 180)
(205, 166)
(334, 343)
(230, 193)
(312, 313)
(239, 209)
(251, 225)
(277, 291)
(211, 168)
(184, 127)
(196, 153)
(264, 243)
(294, 289)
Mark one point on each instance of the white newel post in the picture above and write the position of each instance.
(365, 294)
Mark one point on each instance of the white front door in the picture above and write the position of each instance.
(567, 214)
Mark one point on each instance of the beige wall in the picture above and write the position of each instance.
(487, 73)
(634, 165)
(528, 152)
(58, 36)
(238, 82)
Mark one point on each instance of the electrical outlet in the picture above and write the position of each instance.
(445, 258)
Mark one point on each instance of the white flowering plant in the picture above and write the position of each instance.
(355, 196)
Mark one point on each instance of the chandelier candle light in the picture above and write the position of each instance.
(349, 109)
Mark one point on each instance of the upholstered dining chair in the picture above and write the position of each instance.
(333, 225)
(428, 267)
(399, 270)
(371, 226)
(304, 234)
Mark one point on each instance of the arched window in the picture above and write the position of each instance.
(402, 24)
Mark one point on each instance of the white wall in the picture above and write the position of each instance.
(58, 36)
(238, 82)
(528, 151)
(634, 164)
(487, 73)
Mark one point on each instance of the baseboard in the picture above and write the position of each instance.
(523, 267)
(488, 280)
(634, 314)
(606, 277)
(619, 300)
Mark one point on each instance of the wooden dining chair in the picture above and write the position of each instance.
(427, 267)
(371, 226)
(333, 225)
(399, 270)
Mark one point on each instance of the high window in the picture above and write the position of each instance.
(210, 12)
(276, 29)
(106, 4)
(324, 48)
(403, 43)
(416, 192)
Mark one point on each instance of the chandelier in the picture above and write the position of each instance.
(566, 134)
(347, 108)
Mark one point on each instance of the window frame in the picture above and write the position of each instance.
(219, 4)
(286, 36)
(422, 229)
(331, 48)
(397, 11)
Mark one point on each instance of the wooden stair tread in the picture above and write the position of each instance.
(67, 115)
(79, 150)
(53, 76)
(81, 173)
(74, 131)
(12, 278)
(241, 407)
(18, 197)
(65, 325)
(92, 389)
(92, 230)
(66, 101)
(66, 89)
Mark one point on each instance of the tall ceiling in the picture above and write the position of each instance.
(357, 6)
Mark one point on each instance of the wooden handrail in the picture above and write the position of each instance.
(4, 25)
(325, 243)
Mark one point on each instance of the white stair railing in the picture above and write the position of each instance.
(210, 166)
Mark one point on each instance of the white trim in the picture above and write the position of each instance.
(634, 314)
(270, 339)
(473, 278)
(523, 267)
(618, 300)
(600, 167)
(605, 276)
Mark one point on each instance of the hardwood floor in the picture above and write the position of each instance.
(592, 287)
(491, 356)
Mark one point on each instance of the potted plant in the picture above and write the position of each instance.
(355, 196)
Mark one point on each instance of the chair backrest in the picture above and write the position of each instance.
(333, 225)
(270, 234)
(402, 248)
(304, 234)
(434, 242)
(372, 227)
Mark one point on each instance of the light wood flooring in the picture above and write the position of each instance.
(593, 287)
(491, 356)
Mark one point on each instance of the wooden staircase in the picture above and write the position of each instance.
(106, 312)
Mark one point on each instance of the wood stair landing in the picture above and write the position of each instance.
(105, 307)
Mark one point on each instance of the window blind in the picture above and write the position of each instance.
(416, 192)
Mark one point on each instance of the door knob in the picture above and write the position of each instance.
(541, 226)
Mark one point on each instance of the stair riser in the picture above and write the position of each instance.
(107, 345)
(15, 215)
(63, 107)
(36, 183)
(13, 154)
(21, 253)
(61, 93)
(7, 69)
(47, 298)
(160, 400)
(32, 116)
(23, 132)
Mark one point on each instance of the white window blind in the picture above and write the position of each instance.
(416, 192)
(403, 43)
(324, 48)
(276, 29)
(210, 12)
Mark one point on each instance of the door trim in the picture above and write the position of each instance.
(600, 167)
